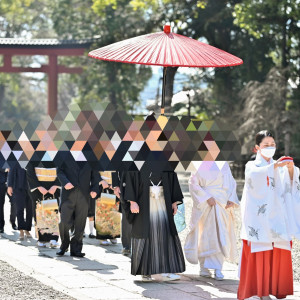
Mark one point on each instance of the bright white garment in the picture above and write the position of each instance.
(269, 205)
(211, 237)
(291, 194)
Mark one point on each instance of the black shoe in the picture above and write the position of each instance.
(77, 254)
(91, 236)
(1, 230)
(60, 252)
(14, 227)
(126, 252)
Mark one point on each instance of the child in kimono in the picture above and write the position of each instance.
(211, 238)
(270, 205)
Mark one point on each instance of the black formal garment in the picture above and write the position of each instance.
(137, 189)
(126, 227)
(75, 202)
(92, 202)
(156, 247)
(3, 188)
(3, 176)
(36, 179)
(17, 179)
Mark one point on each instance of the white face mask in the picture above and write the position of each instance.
(268, 152)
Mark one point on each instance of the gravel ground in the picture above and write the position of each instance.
(17, 286)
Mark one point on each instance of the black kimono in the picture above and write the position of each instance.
(117, 181)
(35, 180)
(156, 247)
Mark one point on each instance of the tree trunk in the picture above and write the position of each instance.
(284, 62)
(287, 143)
(171, 72)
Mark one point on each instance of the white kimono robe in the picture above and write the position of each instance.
(270, 205)
(211, 238)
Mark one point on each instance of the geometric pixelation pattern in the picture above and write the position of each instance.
(109, 139)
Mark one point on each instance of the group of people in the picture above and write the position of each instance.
(270, 208)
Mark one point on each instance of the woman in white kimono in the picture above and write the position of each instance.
(270, 205)
(211, 238)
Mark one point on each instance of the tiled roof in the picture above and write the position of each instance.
(44, 43)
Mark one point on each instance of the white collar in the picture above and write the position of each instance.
(261, 162)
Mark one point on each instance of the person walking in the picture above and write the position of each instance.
(270, 218)
(211, 238)
(156, 248)
(44, 184)
(126, 227)
(3, 192)
(78, 182)
(18, 190)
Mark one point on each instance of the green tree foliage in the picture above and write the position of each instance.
(277, 21)
(101, 81)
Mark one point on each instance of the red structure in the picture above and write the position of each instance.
(47, 47)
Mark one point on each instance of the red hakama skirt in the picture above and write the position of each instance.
(265, 273)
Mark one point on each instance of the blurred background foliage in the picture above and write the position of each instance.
(262, 93)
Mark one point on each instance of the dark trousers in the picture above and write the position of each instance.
(2, 200)
(23, 202)
(73, 212)
(13, 212)
(126, 232)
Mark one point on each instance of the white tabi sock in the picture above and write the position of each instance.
(91, 223)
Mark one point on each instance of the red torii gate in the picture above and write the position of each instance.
(48, 47)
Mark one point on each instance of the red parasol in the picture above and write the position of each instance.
(166, 49)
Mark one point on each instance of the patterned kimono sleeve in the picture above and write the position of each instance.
(259, 179)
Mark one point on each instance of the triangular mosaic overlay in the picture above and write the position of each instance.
(109, 139)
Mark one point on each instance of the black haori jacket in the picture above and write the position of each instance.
(136, 188)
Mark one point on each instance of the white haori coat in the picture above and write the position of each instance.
(270, 205)
(211, 232)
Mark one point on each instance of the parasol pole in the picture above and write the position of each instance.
(162, 110)
(167, 30)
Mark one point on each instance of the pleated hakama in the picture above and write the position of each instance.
(265, 273)
(161, 252)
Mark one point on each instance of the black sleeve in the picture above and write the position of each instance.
(11, 176)
(115, 179)
(3, 176)
(62, 176)
(176, 192)
(131, 189)
(31, 177)
(95, 179)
